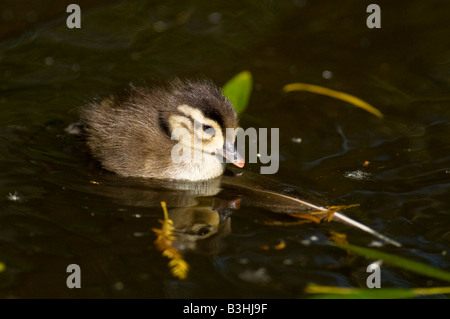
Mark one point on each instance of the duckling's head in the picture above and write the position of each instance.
(203, 120)
(174, 131)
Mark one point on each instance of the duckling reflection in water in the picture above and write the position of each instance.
(199, 228)
(131, 133)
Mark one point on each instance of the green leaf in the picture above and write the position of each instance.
(329, 292)
(414, 266)
(238, 90)
(325, 292)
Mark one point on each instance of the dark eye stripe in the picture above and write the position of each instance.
(163, 124)
(215, 116)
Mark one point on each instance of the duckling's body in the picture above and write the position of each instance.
(131, 133)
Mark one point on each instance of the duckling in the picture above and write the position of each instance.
(131, 133)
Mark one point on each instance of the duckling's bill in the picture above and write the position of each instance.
(230, 152)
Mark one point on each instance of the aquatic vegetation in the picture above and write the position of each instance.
(334, 94)
(339, 240)
(238, 90)
(164, 242)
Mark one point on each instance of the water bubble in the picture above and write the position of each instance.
(357, 175)
(327, 74)
(259, 275)
(135, 56)
(293, 69)
(75, 67)
(297, 140)
(49, 60)
(118, 285)
(15, 197)
(365, 43)
(160, 26)
(288, 262)
(376, 243)
(215, 18)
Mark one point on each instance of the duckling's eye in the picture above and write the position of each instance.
(208, 129)
(203, 231)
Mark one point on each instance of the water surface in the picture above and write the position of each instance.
(60, 208)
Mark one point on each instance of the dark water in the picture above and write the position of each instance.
(57, 208)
